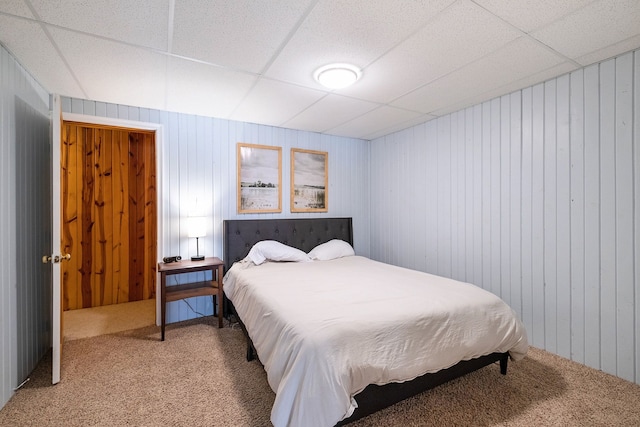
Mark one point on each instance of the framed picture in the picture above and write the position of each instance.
(259, 178)
(309, 181)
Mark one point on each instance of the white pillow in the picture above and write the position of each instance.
(331, 250)
(271, 250)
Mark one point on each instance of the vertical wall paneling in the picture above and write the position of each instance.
(592, 313)
(550, 215)
(88, 107)
(406, 196)
(431, 195)
(495, 198)
(526, 210)
(171, 171)
(454, 257)
(477, 195)
(100, 109)
(394, 199)
(562, 314)
(504, 196)
(537, 217)
(77, 105)
(208, 165)
(33, 212)
(443, 190)
(636, 208)
(485, 194)
(468, 149)
(65, 103)
(221, 194)
(541, 189)
(624, 216)
(460, 196)
(423, 205)
(514, 248)
(25, 291)
(112, 111)
(7, 298)
(456, 199)
(577, 217)
(188, 201)
(413, 202)
(378, 186)
(607, 217)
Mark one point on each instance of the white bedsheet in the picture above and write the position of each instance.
(324, 330)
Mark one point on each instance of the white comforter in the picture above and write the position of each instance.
(324, 330)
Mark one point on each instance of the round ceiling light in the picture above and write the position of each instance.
(337, 76)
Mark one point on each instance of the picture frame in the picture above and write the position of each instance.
(309, 180)
(259, 178)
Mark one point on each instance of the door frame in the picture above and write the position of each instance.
(133, 125)
(56, 241)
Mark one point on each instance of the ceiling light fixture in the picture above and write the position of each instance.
(337, 76)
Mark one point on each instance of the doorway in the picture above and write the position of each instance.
(109, 223)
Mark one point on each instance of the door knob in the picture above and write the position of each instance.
(55, 258)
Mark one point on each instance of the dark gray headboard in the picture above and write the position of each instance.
(302, 233)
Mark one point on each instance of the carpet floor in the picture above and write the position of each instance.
(199, 377)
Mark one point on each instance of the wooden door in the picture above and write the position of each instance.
(108, 215)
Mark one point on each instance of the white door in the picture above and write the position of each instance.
(56, 279)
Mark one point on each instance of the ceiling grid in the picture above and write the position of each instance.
(254, 61)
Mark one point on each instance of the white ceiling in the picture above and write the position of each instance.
(253, 60)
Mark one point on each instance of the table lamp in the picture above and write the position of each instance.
(197, 227)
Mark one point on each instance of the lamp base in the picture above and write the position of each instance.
(197, 258)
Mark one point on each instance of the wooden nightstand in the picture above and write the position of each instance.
(211, 287)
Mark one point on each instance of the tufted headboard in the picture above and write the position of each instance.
(302, 233)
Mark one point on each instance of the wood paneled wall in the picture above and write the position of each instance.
(25, 291)
(534, 196)
(109, 207)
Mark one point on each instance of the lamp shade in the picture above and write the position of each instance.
(197, 226)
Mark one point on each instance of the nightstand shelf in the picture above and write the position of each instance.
(211, 287)
(195, 289)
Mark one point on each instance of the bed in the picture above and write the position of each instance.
(327, 364)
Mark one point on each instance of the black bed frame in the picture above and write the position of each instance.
(305, 234)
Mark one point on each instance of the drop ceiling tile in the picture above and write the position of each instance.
(27, 41)
(459, 35)
(15, 7)
(238, 34)
(530, 15)
(610, 51)
(146, 23)
(400, 126)
(197, 88)
(355, 31)
(606, 22)
(380, 119)
(555, 71)
(114, 72)
(274, 103)
(517, 60)
(329, 112)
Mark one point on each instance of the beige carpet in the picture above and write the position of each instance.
(108, 319)
(198, 377)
